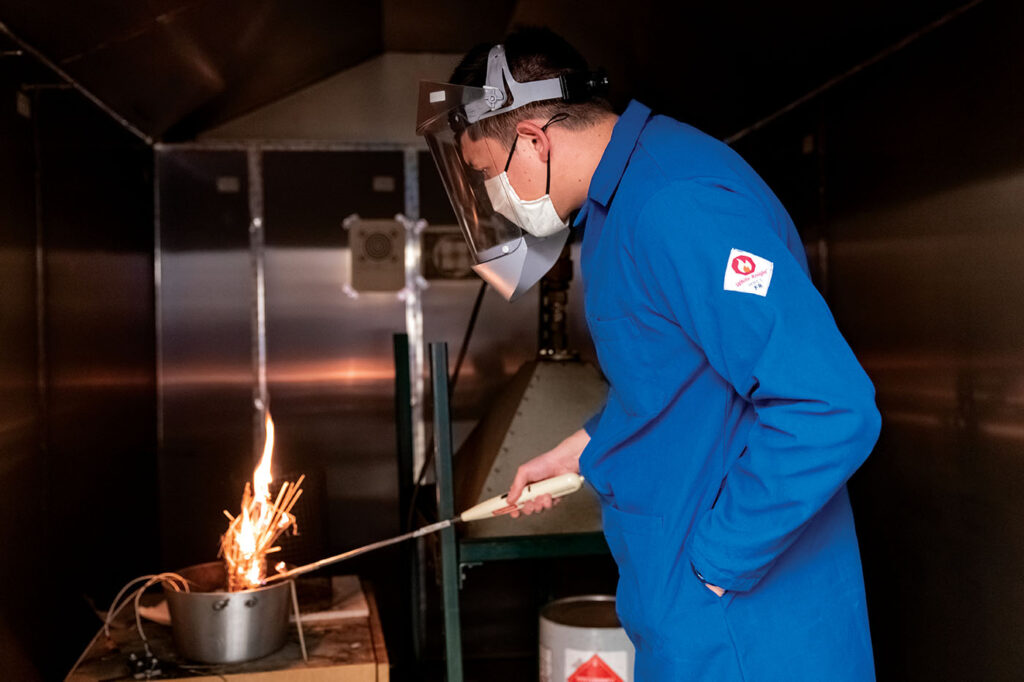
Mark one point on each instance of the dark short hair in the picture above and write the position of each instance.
(533, 53)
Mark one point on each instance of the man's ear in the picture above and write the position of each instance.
(534, 137)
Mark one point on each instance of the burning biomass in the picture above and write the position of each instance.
(254, 532)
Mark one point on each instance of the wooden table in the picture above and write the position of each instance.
(344, 644)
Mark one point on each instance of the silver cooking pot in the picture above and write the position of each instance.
(213, 626)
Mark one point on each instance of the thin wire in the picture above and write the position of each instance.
(138, 617)
(832, 82)
(115, 609)
(135, 596)
(465, 337)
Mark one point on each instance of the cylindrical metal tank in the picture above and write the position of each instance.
(581, 640)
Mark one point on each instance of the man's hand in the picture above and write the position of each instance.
(564, 458)
(715, 588)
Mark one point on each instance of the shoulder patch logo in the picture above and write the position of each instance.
(747, 273)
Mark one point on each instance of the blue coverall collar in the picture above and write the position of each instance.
(616, 156)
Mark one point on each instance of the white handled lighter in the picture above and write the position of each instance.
(558, 486)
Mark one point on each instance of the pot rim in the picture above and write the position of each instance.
(219, 593)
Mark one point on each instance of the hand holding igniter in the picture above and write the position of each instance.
(557, 486)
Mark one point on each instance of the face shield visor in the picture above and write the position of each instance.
(508, 258)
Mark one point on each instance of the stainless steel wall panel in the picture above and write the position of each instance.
(94, 214)
(330, 366)
(923, 179)
(206, 368)
(315, 191)
(504, 338)
(331, 378)
(22, 468)
(932, 316)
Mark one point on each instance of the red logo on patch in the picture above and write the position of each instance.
(743, 265)
(594, 670)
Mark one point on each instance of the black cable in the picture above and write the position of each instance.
(429, 458)
(465, 339)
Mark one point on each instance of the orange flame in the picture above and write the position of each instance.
(261, 478)
(251, 535)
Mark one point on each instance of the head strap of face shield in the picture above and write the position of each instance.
(572, 86)
(557, 118)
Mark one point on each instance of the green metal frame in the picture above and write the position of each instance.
(404, 435)
(457, 554)
(474, 551)
(446, 510)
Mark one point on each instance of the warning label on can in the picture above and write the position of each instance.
(595, 666)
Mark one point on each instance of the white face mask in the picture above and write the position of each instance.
(537, 216)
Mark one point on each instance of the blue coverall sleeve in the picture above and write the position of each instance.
(816, 419)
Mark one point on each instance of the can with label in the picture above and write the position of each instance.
(581, 640)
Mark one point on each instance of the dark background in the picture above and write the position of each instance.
(905, 181)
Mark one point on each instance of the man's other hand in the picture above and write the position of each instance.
(715, 588)
(564, 458)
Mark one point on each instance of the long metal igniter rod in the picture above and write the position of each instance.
(557, 486)
(420, 532)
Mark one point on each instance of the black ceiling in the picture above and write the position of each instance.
(173, 68)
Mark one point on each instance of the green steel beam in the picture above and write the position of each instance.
(531, 547)
(403, 426)
(446, 510)
(404, 435)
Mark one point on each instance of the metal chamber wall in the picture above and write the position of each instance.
(22, 472)
(907, 182)
(77, 378)
(329, 357)
(330, 369)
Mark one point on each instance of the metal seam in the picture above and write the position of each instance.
(836, 80)
(414, 307)
(258, 319)
(76, 85)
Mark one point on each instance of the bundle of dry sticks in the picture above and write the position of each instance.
(252, 535)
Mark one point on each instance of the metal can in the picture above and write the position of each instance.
(581, 640)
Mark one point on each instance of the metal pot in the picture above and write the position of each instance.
(213, 626)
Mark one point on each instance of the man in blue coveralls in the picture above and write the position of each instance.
(736, 411)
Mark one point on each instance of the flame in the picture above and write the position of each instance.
(246, 536)
(253, 565)
(252, 533)
(261, 478)
(248, 565)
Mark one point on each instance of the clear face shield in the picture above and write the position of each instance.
(510, 259)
